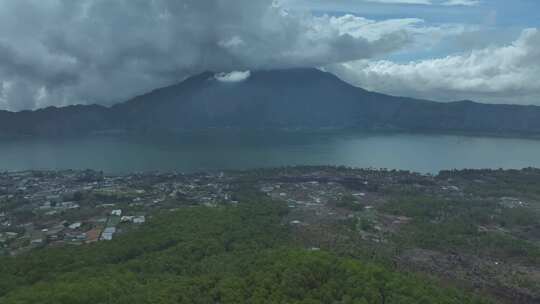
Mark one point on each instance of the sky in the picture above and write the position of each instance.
(63, 52)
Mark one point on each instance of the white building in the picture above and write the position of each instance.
(108, 233)
(75, 226)
(117, 212)
(139, 220)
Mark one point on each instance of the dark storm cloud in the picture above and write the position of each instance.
(58, 52)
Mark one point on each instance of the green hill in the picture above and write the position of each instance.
(239, 254)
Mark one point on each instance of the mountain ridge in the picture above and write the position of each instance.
(273, 99)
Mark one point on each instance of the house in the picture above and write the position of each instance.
(108, 233)
(54, 233)
(126, 219)
(75, 226)
(36, 238)
(69, 205)
(50, 213)
(117, 212)
(75, 237)
(36, 241)
(11, 235)
(267, 189)
(139, 219)
(45, 206)
(93, 235)
(106, 205)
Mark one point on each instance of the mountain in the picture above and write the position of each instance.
(294, 98)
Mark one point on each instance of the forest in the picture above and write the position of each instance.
(228, 254)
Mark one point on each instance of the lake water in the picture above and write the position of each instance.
(216, 150)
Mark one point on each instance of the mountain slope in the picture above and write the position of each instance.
(241, 254)
(296, 98)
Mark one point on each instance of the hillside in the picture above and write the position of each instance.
(202, 255)
(283, 235)
(297, 98)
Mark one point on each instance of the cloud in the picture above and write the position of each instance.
(374, 30)
(401, 1)
(503, 74)
(235, 76)
(60, 52)
(341, 4)
(461, 2)
(360, 27)
(430, 2)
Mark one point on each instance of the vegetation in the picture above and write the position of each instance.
(480, 227)
(349, 202)
(236, 254)
(497, 183)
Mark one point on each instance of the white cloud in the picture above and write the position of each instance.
(370, 29)
(343, 4)
(430, 2)
(504, 74)
(425, 2)
(233, 42)
(373, 30)
(234, 76)
(461, 2)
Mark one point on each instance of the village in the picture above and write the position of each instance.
(55, 208)
(77, 207)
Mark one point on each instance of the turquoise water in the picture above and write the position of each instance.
(216, 150)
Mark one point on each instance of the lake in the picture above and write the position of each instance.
(216, 150)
